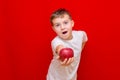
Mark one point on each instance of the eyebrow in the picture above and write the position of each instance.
(56, 24)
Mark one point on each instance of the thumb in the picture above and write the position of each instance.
(57, 57)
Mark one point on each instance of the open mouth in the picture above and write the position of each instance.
(64, 32)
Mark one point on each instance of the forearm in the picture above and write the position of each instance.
(83, 45)
(58, 48)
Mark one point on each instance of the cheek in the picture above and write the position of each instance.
(69, 26)
(57, 31)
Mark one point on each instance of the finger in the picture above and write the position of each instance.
(72, 59)
(57, 57)
(64, 62)
(69, 61)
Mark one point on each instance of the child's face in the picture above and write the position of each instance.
(63, 27)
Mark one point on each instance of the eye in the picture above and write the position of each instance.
(65, 22)
(57, 25)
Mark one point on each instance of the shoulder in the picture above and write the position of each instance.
(55, 43)
(78, 32)
(56, 40)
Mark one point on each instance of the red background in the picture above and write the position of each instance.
(25, 36)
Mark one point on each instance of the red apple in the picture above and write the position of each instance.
(66, 53)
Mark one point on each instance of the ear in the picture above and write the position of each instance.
(72, 23)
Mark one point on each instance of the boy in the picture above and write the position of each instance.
(62, 25)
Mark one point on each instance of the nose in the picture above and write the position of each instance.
(62, 27)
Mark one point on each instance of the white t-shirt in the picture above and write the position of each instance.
(57, 71)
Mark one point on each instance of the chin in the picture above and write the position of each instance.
(65, 38)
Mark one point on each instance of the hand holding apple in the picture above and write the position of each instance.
(66, 53)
